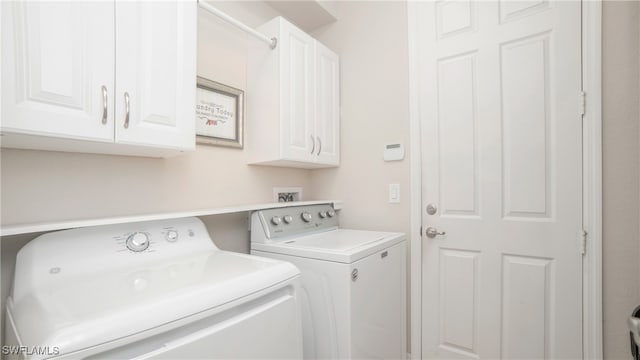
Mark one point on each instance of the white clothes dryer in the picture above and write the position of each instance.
(149, 290)
(353, 284)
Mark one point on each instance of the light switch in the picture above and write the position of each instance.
(394, 193)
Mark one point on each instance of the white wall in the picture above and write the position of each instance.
(621, 172)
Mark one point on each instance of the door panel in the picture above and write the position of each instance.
(512, 10)
(457, 124)
(458, 299)
(454, 17)
(526, 284)
(501, 140)
(526, 138)
(57, 57)
(155, 66)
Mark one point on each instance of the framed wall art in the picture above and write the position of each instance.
(219, 114)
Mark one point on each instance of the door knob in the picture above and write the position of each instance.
(433, 232)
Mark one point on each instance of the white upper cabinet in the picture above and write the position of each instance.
(57, 57)
(297, 93)
(327, 105)
(155, 73)
(67, 66)
(292, 100)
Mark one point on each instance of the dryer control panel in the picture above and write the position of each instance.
(169, 235)
(283, 222)
(53, 257)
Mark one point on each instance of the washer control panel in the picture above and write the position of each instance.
(306, 217)
(293, 220)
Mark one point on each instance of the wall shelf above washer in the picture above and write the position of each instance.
(61, 225)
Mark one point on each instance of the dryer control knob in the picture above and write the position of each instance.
(322, 214)
(288, 219)
(331, 213)
(138, 242)
(306, 216)
(172, 236)
(276, 220)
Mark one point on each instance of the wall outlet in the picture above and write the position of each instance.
(287, 194)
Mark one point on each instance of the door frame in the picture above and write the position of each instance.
(592, 182)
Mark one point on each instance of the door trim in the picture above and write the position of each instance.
(592, 182)
(592, 178)
(415, 185)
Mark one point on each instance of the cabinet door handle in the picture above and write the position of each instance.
(319, 145)
(313, 146)
(126, 110)
(104, 105)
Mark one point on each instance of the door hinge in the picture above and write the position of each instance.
(583, 242)
(582, 103)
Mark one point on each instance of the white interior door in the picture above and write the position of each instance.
(501, 135)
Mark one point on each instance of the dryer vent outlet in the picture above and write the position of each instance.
(287, 194)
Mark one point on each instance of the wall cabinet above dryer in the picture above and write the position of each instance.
(292, 100)
(99, 77)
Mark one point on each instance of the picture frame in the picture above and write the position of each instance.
(219, 114)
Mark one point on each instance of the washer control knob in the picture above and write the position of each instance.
(276, 220)
(288, 219)
(331, 213)
(138, 242)
(322, 214)
(172, 236)
(306, 216)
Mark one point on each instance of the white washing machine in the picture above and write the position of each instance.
(149, 290)
(353, 294)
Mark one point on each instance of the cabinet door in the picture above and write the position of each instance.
(297, 96)
(327, 127)
(155, 73)
(56, 59)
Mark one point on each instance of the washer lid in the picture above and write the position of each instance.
(341, 245)
(78, 312)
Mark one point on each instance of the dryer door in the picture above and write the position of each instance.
(266, 327)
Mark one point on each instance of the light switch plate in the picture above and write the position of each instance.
(394, 193)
